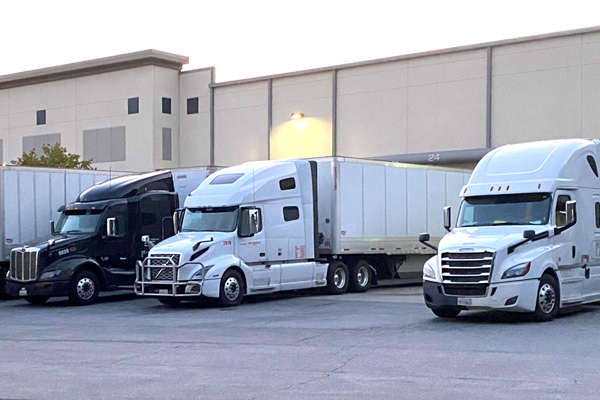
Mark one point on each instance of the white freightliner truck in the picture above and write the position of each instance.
(527, 237)
(268, 226)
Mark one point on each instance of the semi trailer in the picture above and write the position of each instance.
(263, 227)
(527, 236)
(98, 238)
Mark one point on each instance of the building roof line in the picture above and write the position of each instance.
(96, 66)
(478, 46)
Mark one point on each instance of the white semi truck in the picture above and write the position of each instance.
(527, 237)
(268, 226)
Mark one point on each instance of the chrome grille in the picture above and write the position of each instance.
(164, 259)
(466, 274)
(23, 264)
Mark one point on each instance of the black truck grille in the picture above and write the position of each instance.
(466, 274)
(24, 264)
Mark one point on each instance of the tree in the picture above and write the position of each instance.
(54, 156)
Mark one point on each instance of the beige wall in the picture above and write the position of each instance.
(241, 123)
(194, 129)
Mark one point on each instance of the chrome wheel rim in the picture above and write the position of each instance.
(547, 298)
(231, 288)
(362, 276)
(85, 288)
(339, 278)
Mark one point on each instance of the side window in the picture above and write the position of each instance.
(119, 212)
(287, 184)
(153, 211)
(597, 215)
(250, 223)
(561, 210)
(291, 213)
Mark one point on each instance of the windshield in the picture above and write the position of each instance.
(508, 209)
(218, 219)
(78, 221)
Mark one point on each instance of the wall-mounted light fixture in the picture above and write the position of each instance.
(297, 115)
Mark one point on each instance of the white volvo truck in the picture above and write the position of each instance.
(527, 237)
(263, 227)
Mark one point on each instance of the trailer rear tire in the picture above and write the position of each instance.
(37, 300)
(232, 289)
(337, 278)
(360, 276)
(446, 313)
(84, 288)
(547, 299)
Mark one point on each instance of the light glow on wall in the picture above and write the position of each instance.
(301, 138)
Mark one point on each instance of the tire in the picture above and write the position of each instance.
(446, 313)
(84, 288)
(169, 301)
(337, 278)
(232, 289)
(547, 300)
(37, 300)
(360, 276)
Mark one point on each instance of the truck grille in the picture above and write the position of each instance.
(164, 259)
(23, 264)
(161, 267)
(466, 274)
(161, 274)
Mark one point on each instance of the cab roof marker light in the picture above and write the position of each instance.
(539, 185)
(491, 189)
(508, 187)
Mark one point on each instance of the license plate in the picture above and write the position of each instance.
(23, 292)
(163, 291)
(464, 301)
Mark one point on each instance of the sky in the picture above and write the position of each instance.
(247, 39)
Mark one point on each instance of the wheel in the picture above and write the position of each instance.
(446, 313)
(84, 288)
(37, 299)
(548, 299)
(360, 276)
(337, 278)
(232, 289)
(169, 301)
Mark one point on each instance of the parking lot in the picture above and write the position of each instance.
(383, 344)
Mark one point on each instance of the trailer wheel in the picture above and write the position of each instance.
(337, 277)
(84, 288)
(360, 276)
(37, 300)
(169, 301)
(548, 299)
(232, 289)
(446, 313)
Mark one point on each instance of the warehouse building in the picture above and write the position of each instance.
(140, 111)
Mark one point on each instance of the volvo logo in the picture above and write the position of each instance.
(466, 249)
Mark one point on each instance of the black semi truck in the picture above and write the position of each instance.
(98, 238)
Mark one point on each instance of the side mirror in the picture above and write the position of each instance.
(52, 228)
(447, 218)
(111, 227)
(176, 222)
(424, 238)
(571, 207)
(529, 234)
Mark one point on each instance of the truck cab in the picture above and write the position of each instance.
(96, 241)
(527, 234)
(246, 230)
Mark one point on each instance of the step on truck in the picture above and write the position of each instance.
(527, 237)
(263, 227)
(98, 238)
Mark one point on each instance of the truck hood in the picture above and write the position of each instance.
(485, 237)
(57, 240)
(187, 240)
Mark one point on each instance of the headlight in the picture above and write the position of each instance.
(201, 272)
(50, 274)
(428, 272)
(517, 270)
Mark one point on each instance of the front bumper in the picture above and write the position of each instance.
(28, 289)
(517, 296)
(171, 289)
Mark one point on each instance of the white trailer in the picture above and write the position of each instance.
(527, 237)
(278, 225)
(29, 200)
